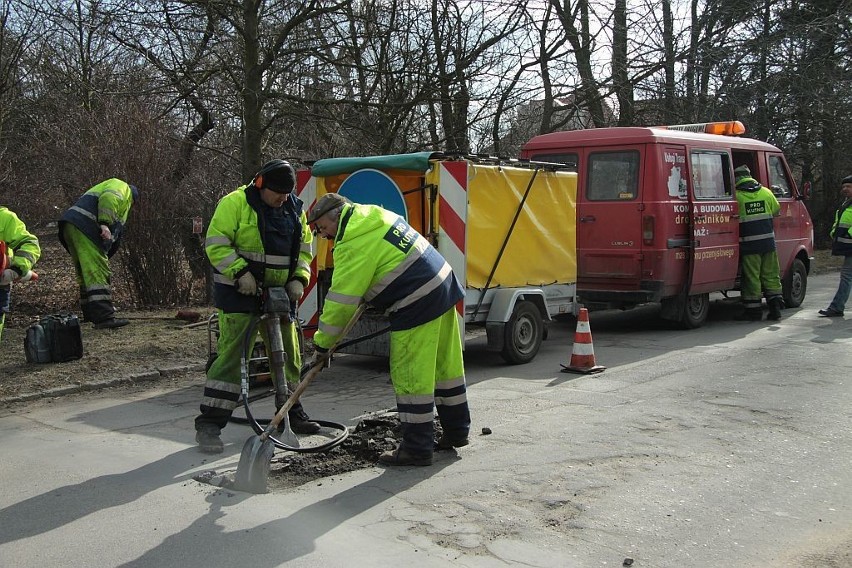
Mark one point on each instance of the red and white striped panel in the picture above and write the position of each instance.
(306, 189)
(452, 218)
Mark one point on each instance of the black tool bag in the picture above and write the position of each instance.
(56, 338)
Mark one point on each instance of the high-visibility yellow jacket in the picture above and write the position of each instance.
(245, 234)
(757, 207)
(21, 246)
(381, 260)
(108, 203)
(841, 244)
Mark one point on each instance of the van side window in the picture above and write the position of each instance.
(613, 176)
(778, 181)
(710, 175)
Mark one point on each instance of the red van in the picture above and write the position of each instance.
(657, 218)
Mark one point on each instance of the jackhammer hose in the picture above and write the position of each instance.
(257, 424)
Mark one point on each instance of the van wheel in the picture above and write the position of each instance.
(695, 311)
(524, 333)
(795, 284)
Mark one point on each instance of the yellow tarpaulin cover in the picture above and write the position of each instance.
(542, 248)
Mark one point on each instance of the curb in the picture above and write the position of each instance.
(84, 387)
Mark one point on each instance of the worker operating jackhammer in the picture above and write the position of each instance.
(258, 234)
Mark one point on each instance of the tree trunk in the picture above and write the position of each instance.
(252, 94)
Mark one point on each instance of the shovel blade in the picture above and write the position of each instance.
(253, 469)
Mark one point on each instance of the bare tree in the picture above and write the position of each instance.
(16, 48)
(582, 41)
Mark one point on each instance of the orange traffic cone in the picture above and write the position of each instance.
(583, 352)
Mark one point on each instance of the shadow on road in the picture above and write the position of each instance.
(63, 505)
(281, 540)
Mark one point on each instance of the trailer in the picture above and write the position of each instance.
(506, 227)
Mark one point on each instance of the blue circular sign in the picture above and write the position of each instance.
(374, 187)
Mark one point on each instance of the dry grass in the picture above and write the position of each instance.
(823, 262)
(154, 341)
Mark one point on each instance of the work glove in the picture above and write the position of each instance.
(246, 284)
(295, 289)
(320, 357)
(8, 277)
(106, 234)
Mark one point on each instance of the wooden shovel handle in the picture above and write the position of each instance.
(312, 372)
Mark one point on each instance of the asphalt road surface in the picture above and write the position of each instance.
(725, 446)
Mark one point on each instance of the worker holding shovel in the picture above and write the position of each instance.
(381, 260)
(20, 251)
(258, 237)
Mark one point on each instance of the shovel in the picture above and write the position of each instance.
(253, 469)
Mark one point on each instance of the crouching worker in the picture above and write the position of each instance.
(381, 260)
(91, 232)
(22, 252)
(258, 236)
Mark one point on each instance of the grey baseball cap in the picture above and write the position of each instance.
(325, 204)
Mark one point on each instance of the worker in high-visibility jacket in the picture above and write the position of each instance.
(22, 252)
(91, 232)
(379, 259)
(841, 245)
(258, 238)
(758, 256)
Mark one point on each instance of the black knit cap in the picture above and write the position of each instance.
(278, 176)
(847, 179)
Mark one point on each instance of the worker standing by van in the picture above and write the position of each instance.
(841, 245)
(758, 256)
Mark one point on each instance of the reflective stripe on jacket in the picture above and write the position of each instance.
(22, 246)
(841, 244)
(380, 259)
(757, 207)
(107, 203)
(245, 234)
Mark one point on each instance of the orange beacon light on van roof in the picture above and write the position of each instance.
(725, 128)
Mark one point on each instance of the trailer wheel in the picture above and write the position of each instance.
(795, 284)
(524, 333)
(695, 311)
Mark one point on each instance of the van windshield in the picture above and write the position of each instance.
(778, 181)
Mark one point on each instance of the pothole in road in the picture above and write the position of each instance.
(361, 449)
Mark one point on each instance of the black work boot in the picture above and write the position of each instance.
(447, 443)
(208, 440)
(300, 423)
(775, 307)
(751, 314)
(111, 323)
(401, 456)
